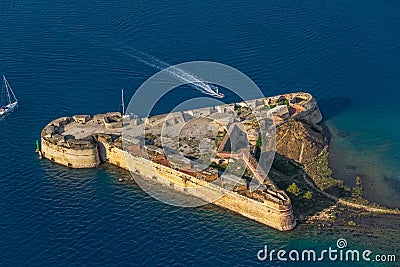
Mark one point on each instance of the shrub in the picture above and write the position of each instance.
(318, 169)
(357, 192)
(294, 189)
(352, 223)
(308, 195)
(358, 181)
(259, 142)
(283, 102)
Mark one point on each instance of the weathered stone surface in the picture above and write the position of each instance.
(299, 141)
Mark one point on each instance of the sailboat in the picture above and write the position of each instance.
(123, 105)
(11, 101)
(122, 102)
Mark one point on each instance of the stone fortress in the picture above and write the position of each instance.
(82, 141)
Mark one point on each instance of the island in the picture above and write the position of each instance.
(84, 141)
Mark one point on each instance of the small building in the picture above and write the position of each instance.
(61, 121)
(280, 111)
(113, 120)
(81, 118)
(114, 113)
(201, 112)
(154, 120)
(255, 104)
(98, 118)
(174, 118)
(227, 109)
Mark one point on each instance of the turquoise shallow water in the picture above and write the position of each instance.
(64, 58)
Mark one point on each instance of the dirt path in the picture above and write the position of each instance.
(348, 203)
(335, 198)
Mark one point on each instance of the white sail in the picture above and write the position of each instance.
(12, 101)
(122, 102)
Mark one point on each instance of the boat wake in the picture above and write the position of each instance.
(180, 74)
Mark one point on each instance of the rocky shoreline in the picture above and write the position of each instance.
(332, 205)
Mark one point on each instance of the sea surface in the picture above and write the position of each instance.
(69, 57)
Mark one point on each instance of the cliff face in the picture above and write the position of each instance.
(300, 140)
(312, 114)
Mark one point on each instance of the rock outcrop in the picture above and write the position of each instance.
(300, 140)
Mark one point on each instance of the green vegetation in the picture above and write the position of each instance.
(271, 106)
(283, 102)
(332, 218)
(352, 223)
(259, 142)
(284, 174)
(294, 189)
(358, 181)
(318, 169)
(308, 195)
(303, 206)
(357, 192)
(285, 166)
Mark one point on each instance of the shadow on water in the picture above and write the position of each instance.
(333, 106)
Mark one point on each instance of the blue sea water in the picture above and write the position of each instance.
(67, 57)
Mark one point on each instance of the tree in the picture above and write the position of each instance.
(357, 191)
(358, 181)
(294, 189)
(352, 223)
(308, 195)
(259, 142)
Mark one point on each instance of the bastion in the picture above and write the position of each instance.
(84, 141)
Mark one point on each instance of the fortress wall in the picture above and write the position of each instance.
(281, 220)
(269, 213)
(85, 158)
(312, 113)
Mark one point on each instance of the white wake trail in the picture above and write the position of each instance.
(180, 74)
